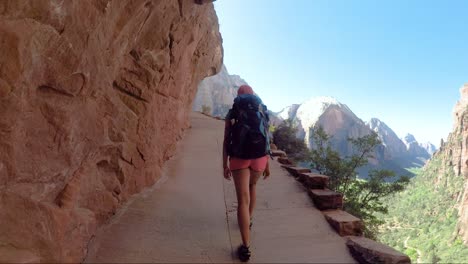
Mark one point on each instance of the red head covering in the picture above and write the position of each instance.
(245, 89)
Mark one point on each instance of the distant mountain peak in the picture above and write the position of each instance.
(377, 124)
(311, 109)
(415, 147)
(409, 138)
(321, 103)
(288, 111)
(323, 100)
(429, 147)
(217, 92)
(387, 136)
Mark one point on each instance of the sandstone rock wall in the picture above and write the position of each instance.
(94, 95)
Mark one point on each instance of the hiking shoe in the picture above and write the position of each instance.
(244, 253)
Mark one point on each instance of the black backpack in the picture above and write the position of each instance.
(249, 133)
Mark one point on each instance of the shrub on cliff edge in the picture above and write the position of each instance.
(284, 137)
(362, 198)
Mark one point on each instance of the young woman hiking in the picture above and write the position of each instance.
(246, 146)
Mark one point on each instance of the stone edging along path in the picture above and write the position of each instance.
(364, 250)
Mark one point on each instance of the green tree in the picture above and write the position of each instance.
(284, 137)
(362, 198)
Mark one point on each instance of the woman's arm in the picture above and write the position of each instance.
(266, 172)
(227, 131)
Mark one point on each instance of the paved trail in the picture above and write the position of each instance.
(190, 216)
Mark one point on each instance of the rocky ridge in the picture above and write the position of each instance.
(93, 97)
(338, 120)
(316, 111)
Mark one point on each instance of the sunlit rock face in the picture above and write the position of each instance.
(94, 95)
(393, 144)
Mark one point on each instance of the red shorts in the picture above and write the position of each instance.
(254, 164)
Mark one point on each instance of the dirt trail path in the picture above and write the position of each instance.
(189, 216)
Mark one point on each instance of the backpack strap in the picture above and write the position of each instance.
(263, 110)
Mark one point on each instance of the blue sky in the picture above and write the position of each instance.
(402, 61)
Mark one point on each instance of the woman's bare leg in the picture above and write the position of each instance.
(241, 180)
(254, 176)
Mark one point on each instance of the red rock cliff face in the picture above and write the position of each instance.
(459, 156)
(454, 154)
(93, 97)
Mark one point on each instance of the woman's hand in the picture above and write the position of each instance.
(266, 172)
(227, 173)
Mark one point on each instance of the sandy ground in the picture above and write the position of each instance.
(190, 214)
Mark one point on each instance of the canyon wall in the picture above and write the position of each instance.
(454, 156)
(94, 95)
